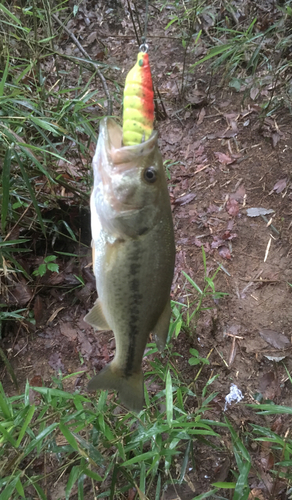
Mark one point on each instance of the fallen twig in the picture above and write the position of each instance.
(270, 225)
(232, 353)
(251, 282)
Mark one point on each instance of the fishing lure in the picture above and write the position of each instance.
(138, 112)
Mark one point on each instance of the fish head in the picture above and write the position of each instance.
(129, 182)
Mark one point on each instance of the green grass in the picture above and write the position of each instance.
(94, 447)
(45, 122)
(98, 446)
(46, 125)
(244, 53)
(187, 314)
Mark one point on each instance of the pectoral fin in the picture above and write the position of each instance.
(160, 331)
(96, 318)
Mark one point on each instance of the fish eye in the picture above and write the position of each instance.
(150, 174)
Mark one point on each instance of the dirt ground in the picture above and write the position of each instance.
(224, 159)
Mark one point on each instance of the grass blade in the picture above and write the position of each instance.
(25, 425)
(196, 287)
(158, 488)
(43, 434)
(7, 493)
(143, 477)
(7, 436)
(40, 491)
(7, 413)
(5, 73)
(205, 495)
(169, 399)
(31, 192)
(81, 487)
(113, 482)
(215, 51)
(89, 449)
(55, 129)
(185, 462)
(5, 187)
(25, 148)
(71, 439)
(270, 409)
(140, 458)
(74, 475)
(224, 485)
(46, 391)
(242, 489)
(93, 475)
(9, 14)
(19, 488)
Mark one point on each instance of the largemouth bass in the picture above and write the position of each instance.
(133, 256)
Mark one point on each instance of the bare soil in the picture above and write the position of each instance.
(226, 158)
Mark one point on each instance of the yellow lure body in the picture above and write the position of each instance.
(138, 109)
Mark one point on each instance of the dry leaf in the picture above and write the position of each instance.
(277, 425)
(224, 252)
(132, 493)
(223, 158)
(267, 461)
(256, 494)
(227, 235)
(68, 331)
(222, 472)
(92, 37)
(38, 310)
(280, 186)
(212, 209)
(269, 386)
(254, 92)
(20, 294)
(197, 98)
(183, 200)
(85, 346)
(276, 339)
(202, 115)
(178, 492)
(232, 207)
(36, 381)
(231, 119)
(55, 362)
(239, 194)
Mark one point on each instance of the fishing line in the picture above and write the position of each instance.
(133, 22)
(144, 45)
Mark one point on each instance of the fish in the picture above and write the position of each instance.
(138, 103)
(133, 256)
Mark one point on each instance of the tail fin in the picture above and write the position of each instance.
(130, 389)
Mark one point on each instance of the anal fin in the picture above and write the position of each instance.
(96, 318)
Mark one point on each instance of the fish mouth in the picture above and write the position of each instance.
(113, 138)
